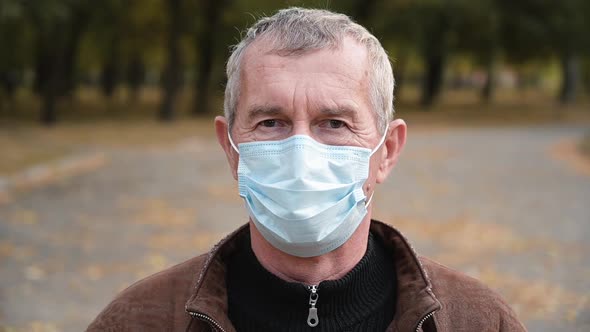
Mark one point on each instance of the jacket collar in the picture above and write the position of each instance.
(415, 299)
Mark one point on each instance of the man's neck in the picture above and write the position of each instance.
(312, 270)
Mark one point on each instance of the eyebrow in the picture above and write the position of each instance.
(340, 111)
(257, 111)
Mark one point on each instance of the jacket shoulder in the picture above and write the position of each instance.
(468, 304)
(155, 303)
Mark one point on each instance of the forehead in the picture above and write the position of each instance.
(324, 74)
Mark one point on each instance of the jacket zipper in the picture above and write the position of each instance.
(208, 319)
(312, 317)
(423, 320)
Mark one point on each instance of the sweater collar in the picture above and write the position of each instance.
(415, 298)
(362, 292)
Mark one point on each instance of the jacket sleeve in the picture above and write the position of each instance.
(124, 316)
(509, 322)
(133, 310)
(116, 316)
(467, 304)
(156, 303)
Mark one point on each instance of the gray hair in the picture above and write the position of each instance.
(296, 31)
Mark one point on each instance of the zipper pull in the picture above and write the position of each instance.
(312, 317)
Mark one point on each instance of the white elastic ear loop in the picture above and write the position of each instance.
(368, 202)
(381, 141)
(232, 142)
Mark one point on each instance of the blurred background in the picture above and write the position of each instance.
(109, 169)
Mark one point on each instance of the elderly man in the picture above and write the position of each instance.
(309, 133)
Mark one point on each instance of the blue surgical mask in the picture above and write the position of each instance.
(305, 198)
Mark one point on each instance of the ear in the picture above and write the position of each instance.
(392, 148)
(221, 129)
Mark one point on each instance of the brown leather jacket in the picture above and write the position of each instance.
(191, 296)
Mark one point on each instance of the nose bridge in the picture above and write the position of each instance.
(301, 107)
(301, 124)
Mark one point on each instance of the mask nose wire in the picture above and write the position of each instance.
(232, 142)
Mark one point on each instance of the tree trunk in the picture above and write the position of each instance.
(42, 66)
(9, 81)
(49, 82)
(399, 73)
(172, 73)
(70, 56)
(570, 69)
(586, 75)
(48, 113)
(135, 76)
(49, 64)
(108, 79)
(435, 48)
(77, 27)
(487, 91)
(206, 46)
(432, 82)
(51, 87)
(109, 76)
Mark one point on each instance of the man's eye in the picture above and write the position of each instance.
(269, 123)
(335, 124)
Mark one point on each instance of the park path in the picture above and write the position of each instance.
(506, 205)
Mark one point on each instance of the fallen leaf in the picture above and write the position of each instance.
(34, 273)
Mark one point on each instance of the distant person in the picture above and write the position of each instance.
(309, 134)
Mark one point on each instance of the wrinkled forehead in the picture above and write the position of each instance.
(348, 59)
(329, 68)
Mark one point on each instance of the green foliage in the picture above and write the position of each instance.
(91, 35)
(534, 29)
(16, 36)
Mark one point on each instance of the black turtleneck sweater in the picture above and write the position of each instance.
(362, 300)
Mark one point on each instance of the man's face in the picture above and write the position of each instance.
(323, 94)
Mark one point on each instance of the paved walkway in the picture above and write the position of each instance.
(504, 205)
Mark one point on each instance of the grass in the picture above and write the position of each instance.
(509, 108)
(26, 145)
(88, 121)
